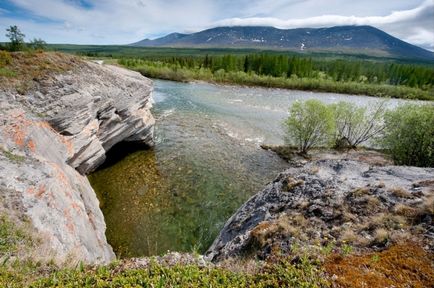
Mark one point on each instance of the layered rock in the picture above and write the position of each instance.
(338, 202)
(98, 107)
(55, 134)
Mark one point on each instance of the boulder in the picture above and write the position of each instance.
(337, 201)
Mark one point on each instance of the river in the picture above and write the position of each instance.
(205, 164)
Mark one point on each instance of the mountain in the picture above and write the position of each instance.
(340, 39)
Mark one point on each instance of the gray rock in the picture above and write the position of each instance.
(328, 196)
(48, 146)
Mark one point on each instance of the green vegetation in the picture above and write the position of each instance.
(5, 72)
(28, 273)
(406, 133)
(309, 124)
(5, 58)
(16, 38)
(356, 125)
(342, 125)
(11, 238)
(17, 43)
(409, 135)
(295, 72)
(37, 44)
(281, 274)
(12, 157)
(328, 72)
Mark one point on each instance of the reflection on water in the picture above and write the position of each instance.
(205, 164)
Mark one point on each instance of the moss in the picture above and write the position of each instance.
(403, 265)
(291, 183)
(12, 157)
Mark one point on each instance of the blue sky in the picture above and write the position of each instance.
(127, 21)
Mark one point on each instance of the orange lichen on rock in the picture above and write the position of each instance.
(41, 190)
(30, 190)
(17, 129)
(69, 221)
(402, 265)
(18, 134)
(31, 145)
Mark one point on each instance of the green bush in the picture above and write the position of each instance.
(37, 44)
(409, 135)
(309, 124)
(356, 125)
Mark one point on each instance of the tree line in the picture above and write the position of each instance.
(411, 75)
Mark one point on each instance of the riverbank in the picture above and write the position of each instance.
(159, 70)
(52, 231)
(378, 236)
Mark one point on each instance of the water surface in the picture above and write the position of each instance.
(205, 164)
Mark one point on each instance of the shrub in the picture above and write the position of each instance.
(356, 125)
(5, 58)
(409, 135)
(309, 124)
(37, 44)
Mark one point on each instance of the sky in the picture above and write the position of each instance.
(128, 21)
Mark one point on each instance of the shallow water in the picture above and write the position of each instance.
(205, 164)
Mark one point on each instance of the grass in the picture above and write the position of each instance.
(11, 238)
(24, 272)
(5, 72)
(25, 69)
(281, 274)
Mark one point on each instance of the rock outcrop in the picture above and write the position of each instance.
(56, 133)
(342, 202)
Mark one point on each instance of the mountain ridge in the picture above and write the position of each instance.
(339, 39)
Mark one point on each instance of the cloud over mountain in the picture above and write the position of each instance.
(120, 22)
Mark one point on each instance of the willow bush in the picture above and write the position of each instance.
(409, 135)
(309, 124)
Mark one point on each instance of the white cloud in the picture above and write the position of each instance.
(121, 22)
(412, 33)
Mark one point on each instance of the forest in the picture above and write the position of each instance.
(375, 78)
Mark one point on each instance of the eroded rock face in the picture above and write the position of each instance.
(332, 201)
(97, 108)
(57, 133)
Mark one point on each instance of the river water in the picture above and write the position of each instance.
(205, 164)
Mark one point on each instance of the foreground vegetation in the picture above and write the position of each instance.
(18, 271)
(403, 265)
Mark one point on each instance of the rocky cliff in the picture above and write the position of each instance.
(57, 131)
(333, 202)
